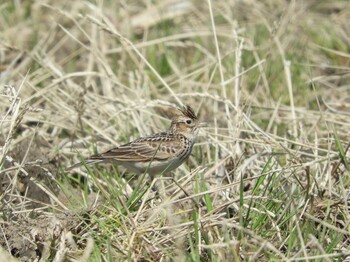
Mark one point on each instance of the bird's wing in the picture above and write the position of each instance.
(157, 147)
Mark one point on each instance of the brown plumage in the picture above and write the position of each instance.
(157, 153)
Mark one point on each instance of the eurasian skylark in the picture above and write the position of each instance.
(158, 153)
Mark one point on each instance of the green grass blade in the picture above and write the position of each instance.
(340, 149)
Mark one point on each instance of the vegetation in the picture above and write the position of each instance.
(268, 179)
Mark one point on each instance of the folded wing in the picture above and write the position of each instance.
(158, 147)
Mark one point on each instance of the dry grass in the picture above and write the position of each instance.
(268, 178)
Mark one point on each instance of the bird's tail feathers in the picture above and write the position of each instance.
(85, 162)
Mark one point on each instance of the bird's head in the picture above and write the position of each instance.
(186, 123)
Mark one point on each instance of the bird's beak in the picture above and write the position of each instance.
(202, 124)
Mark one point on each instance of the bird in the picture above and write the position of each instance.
(158, 153)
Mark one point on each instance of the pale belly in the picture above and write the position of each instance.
(155, 167)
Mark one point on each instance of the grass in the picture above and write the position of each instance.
(268, 179)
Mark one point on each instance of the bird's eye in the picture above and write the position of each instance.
(189, 121)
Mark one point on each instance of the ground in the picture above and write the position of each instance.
(268, 179)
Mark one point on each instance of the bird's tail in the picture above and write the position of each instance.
(85, 162)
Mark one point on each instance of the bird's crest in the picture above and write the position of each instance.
(188, 111)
